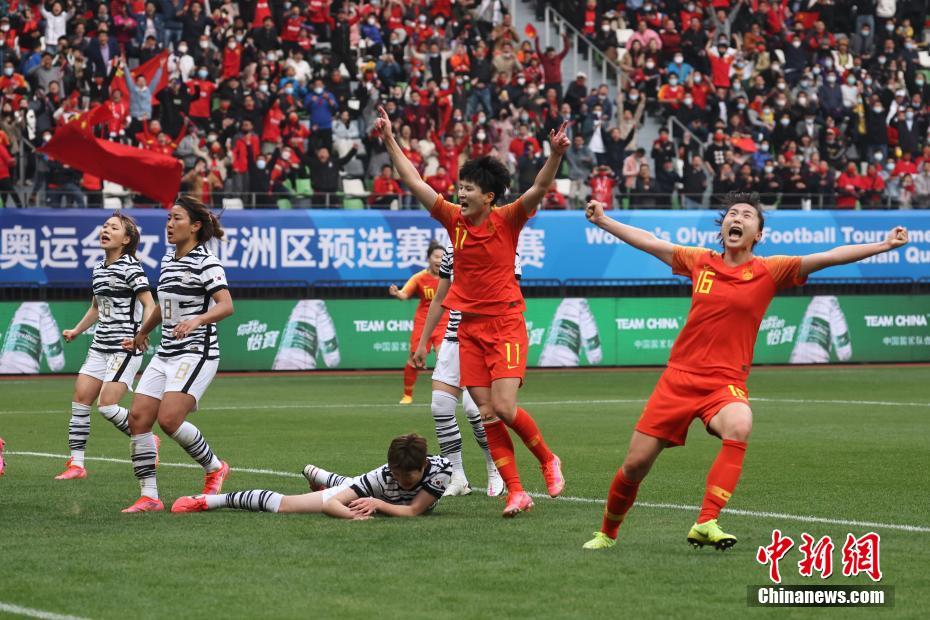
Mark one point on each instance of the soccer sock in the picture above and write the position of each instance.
(447, 430)
(256, 501)
(621, 496)
(119, 416)
(501, 447)
(474, 418)
(78, 432)
(328, 478)
(722, 478)
(524, 425)
(410, 379)
(194, 444)
(142, 449)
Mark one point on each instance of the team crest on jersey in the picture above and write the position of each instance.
(747, 273)
(114, 281)
(186, 277)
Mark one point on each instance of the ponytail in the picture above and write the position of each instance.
(210, 227)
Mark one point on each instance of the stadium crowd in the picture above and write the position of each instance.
(817, 103)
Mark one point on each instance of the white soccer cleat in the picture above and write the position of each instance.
(458, 486)
(496, 484)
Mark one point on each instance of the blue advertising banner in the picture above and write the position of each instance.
(60, 246)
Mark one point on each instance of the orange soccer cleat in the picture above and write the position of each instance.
(213, 481)
(516, 503)
(1, 456)
(146, 504)
(552, 474)
(190, 503)
(71, 472)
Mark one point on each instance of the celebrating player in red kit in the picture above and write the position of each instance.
(493, 341)
(710, 360)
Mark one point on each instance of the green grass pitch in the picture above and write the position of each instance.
(841, 444)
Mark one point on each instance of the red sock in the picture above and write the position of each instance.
(410, 379)
(501, 448)
(524, 426)
(722, 478)
(619, 500)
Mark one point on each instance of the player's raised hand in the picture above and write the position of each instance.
(382, 126)
(418, 358)
(594, 211)
(897, 237)
(559, 139)
(393, 290)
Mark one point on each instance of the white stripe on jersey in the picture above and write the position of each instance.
(116, 289)
(446, 273)
(185, 289)
(380, 483)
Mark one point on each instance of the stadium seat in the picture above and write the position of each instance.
(232, 203)
(284, 203)
(564, 186)
(353, 204)
(112, 202)
(354, 188)
(303, 187)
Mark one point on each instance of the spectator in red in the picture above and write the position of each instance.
(523, 137)
(7, 163)
(552, 64)
(721, 58)
(386, 189)
(442, 182)
(553, 199)
(603, 183)
(245, 142)
(201, 90)
(849, 186)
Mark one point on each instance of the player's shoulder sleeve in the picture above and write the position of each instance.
(514, 214)
(136, 278)
(212, 274)
(413, 284)
(785, 270)
(684, 258)
(446, 264)
(370, 484)
(444, 211)
(437, 479)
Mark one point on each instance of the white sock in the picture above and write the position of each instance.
(196, 446)
(447, 430)
(78, 432)
(142, 449)
(119, 416)
(256, 500)
(477, 428)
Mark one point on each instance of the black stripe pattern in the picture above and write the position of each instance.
(256, 500)
(116, 290)
(380, 483)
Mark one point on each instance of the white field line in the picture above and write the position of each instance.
(34, 613)
(538, 403)
(579, 500)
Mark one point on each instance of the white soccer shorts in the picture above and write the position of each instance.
(116, 367)
(447, 364)
(190, 374)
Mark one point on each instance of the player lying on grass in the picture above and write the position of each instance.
(409, 484)
(710, 360)
(493, 342)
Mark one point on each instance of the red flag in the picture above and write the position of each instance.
(151, 174)
(530, 31)
(147, 70)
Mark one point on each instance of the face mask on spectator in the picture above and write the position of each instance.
(271, 56)
(828, 63)
(889, 166)
(769, 169)
(481, 135)
(831, 79)
(765, 148)
(650, 65)
(679, 59)
(782, 86)
(182, 49)
(318, 58)
(260, 164)
(318, 90)
(877, 109)
(634, 97)
(881, 60)
(202, 74)
(868, 81)
(697, 78)
(866, 32)
(802, 100)
(785, 122)
(8, 71)
(851, 80)
(673, 81)
(482, 119)
(796, 43)
(372, 21)
(204, 44)
(689, 101)
(909, 115)
(741, 106)
(919, 82)
(231, 45)
(263, 88)
(5, 27)
(605, 28)
(288, 90)
(889, 27)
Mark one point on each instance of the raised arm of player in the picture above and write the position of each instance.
(844, 254)
(636, 237)
(407, 171)
(559, 142)
(433, 315)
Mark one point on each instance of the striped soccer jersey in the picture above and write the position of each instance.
(445, 273)
(116, 290)
(380, 483)
(185, 289)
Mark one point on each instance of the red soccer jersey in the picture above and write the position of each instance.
(423, 285)
(727, 306)
(484, 257)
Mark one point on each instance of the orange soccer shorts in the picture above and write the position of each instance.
(435, 338)
(679, 397)
(491, 348)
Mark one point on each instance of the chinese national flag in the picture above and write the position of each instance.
(530, 31)
(151, 174)
(147, 70)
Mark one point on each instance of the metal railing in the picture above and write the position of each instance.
(594, 55)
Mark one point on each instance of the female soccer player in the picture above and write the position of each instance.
(423, 285)
(447, 387)
(193, 296)
(122, 300)
(493, 341)
(409, 484)
(710, 360)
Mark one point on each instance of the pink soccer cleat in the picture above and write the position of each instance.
(213, 481)
(146, 504)
(190, 503)
(516, 503)
(71, 472)
(552, 474)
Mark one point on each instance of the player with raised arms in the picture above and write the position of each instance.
(422, 285)
(493, 343)
(121, 301)
(409, 484)
(710, 360)
(193, 297)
